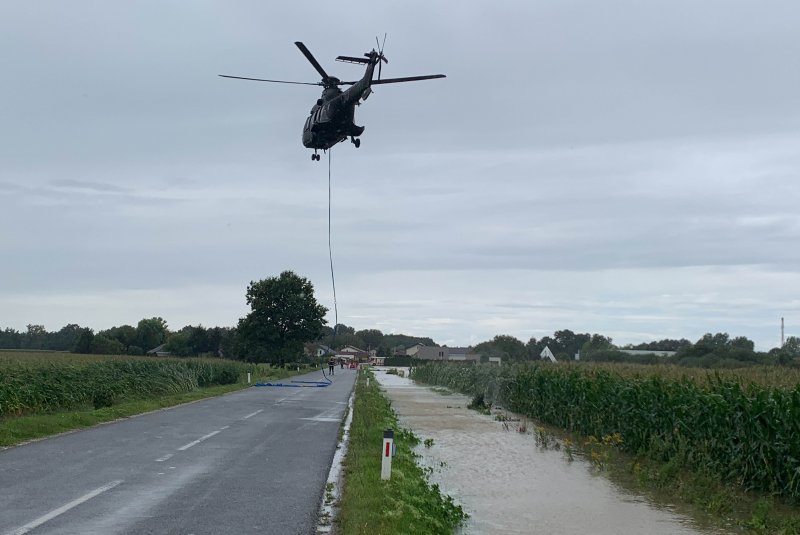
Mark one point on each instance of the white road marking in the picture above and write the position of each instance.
(164, 458)
(252, 414)
(322, 419)
(64, 508)
(198, 441)
(223, 428)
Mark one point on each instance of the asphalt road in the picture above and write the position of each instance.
(254, 461)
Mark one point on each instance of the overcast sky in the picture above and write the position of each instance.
(630, 168)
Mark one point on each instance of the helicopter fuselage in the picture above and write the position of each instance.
(331, 119)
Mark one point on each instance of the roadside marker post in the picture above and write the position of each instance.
(386, 453)
(248, 377)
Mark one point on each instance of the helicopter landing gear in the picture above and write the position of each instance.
(356, 141)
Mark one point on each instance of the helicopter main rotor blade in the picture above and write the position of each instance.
(408, 79)
(312, 59)
(263, 80)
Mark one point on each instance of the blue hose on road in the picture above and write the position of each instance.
(302, 384)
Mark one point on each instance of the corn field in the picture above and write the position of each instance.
(734, 425)
(37, 383)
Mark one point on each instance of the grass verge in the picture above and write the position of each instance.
(17, 429)
(406, 503)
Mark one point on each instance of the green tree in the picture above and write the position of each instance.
(504, 346)
(792, 346)
(35, 337)
(179, 343)
(103, 345)
(283, 315)
(198, 339)
(530, 348)
(151, 333)
(64, 340)
(788, 353)
(127, 335)
(567, 343)
(10, 339)
(371, 337)
(83, 344)
(596, 344)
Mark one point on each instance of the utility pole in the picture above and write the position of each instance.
(782, 340)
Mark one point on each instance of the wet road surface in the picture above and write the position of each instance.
(254, 461)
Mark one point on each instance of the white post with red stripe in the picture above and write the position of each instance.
(386, 453)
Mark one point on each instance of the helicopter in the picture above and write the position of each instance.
(331, 119)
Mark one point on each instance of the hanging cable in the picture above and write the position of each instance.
(330, 253)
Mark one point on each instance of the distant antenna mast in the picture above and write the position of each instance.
(782, 341)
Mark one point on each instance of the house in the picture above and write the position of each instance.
(413, 350)
(447, 353)
(352, 353)
(546, 354)
(316, 350)
(159, 351)
(323, 350)
(647, 352)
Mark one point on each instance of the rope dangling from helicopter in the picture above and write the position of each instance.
(330, 253)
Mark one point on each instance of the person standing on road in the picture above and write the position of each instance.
(331, 365)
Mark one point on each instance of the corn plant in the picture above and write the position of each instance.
(739, 424)
(30, 386)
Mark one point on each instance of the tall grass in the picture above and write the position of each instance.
(39, 383)
(734, 425)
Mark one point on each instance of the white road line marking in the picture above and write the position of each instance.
(198, 441)
(322, 419)
(252, 414)
(224, 428)
(64, 508)
(164, 458)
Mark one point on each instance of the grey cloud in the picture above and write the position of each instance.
(99, 187)
(569, 141)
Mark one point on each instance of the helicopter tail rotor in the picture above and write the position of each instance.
(381, 57)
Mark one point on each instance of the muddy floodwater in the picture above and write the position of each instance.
(510, 485)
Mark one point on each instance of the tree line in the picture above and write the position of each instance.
(284, 315)
(718, 350)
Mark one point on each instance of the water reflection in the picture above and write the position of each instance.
(507, 484)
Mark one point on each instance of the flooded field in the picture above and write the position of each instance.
(510, 485)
